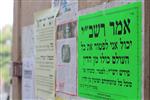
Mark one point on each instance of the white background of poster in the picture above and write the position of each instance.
(66, 79)
(28, 79)
(28, 54)
(28, 42)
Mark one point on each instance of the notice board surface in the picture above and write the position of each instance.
(110, 54)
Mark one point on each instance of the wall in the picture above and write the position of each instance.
(23, 16)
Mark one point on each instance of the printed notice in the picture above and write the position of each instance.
(109, 54)
(28, 79)
(66, 66)
(28, 63)
(28, 42)
(67, 8)
(45, 54)
(65, 5)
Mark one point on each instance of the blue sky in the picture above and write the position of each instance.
(6, 12)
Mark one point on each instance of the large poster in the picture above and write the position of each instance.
(109, 54)
(66, 72)
(45, 54)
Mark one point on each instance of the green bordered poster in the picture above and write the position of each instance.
(110, 54)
